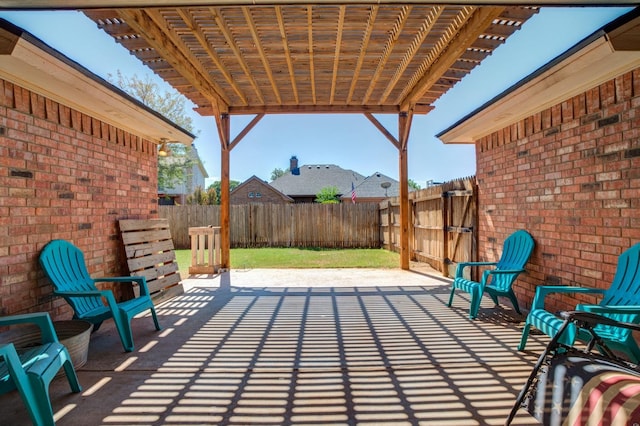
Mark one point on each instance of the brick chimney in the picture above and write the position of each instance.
(293, 166)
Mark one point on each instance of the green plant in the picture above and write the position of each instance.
(328, 195)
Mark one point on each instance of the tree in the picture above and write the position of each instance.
(328, 195)
(277, 172)
(413, 184)
(215, 187)
(202, 197)
(212, 196)
(172, 169)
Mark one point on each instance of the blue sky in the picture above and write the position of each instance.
(349, 141)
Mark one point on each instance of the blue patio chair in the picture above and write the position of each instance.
(65, 267)
(620, 302)
(499, 280)
(31, 370)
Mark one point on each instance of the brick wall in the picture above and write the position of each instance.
(570, 175)
(240, 194)
(64, 175)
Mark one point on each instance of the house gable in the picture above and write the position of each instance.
(255, 190)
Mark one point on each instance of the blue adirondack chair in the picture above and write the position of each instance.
(499, 280)
(621, 302)
(65, 267)
(30, 371)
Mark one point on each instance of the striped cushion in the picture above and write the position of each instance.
(578, 389)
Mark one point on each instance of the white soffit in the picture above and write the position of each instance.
(594, 64)
(27, 65)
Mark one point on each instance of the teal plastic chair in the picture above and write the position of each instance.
(65, 267)
(620, 302)
(499, 280)
(30, 371)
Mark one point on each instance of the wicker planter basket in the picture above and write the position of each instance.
(74, 334)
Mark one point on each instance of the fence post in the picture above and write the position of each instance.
(445, 234)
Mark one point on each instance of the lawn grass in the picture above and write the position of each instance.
(255, 258)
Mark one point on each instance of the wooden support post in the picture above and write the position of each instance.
(224, 131)
(225, 235)
(404, 124)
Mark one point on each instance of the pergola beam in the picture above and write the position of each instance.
(190, 68)
(100, 4)
(466, 36)
(312, 109)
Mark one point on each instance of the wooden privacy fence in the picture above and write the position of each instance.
(443, 230)
(344, 225)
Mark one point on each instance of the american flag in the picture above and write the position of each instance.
(353, 193)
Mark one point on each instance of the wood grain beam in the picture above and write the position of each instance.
(176, 55)
(224, 127)
(263, 56)
(226, 32)
(426, 27)
(101, 4)
(440, 46)
(404, 124)
(364, 45)
(467, 35)
(287, 52)
(336, 56)
(312, 71)
(202, 39)
(383, 129)
(390, 44)
(308, 109)
(245, 131)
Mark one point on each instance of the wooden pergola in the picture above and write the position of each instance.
(242, 57)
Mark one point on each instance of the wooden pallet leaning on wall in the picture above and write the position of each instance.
(150, 253)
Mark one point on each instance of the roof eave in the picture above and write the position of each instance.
(30, 63)
(597, 59)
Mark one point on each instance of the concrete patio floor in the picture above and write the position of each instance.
(303, 347)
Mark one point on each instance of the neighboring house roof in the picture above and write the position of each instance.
(314, 177)
(267, 187)
(372, 187)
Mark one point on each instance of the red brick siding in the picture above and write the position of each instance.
(64, 175)
(240, 195)
(570, 175)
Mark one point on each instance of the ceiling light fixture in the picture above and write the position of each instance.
(163, 151)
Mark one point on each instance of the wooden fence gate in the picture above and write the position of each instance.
(443, 226)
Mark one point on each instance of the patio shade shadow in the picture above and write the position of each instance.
(249, 355)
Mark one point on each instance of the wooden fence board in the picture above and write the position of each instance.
(282, 225)
(443, 224)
